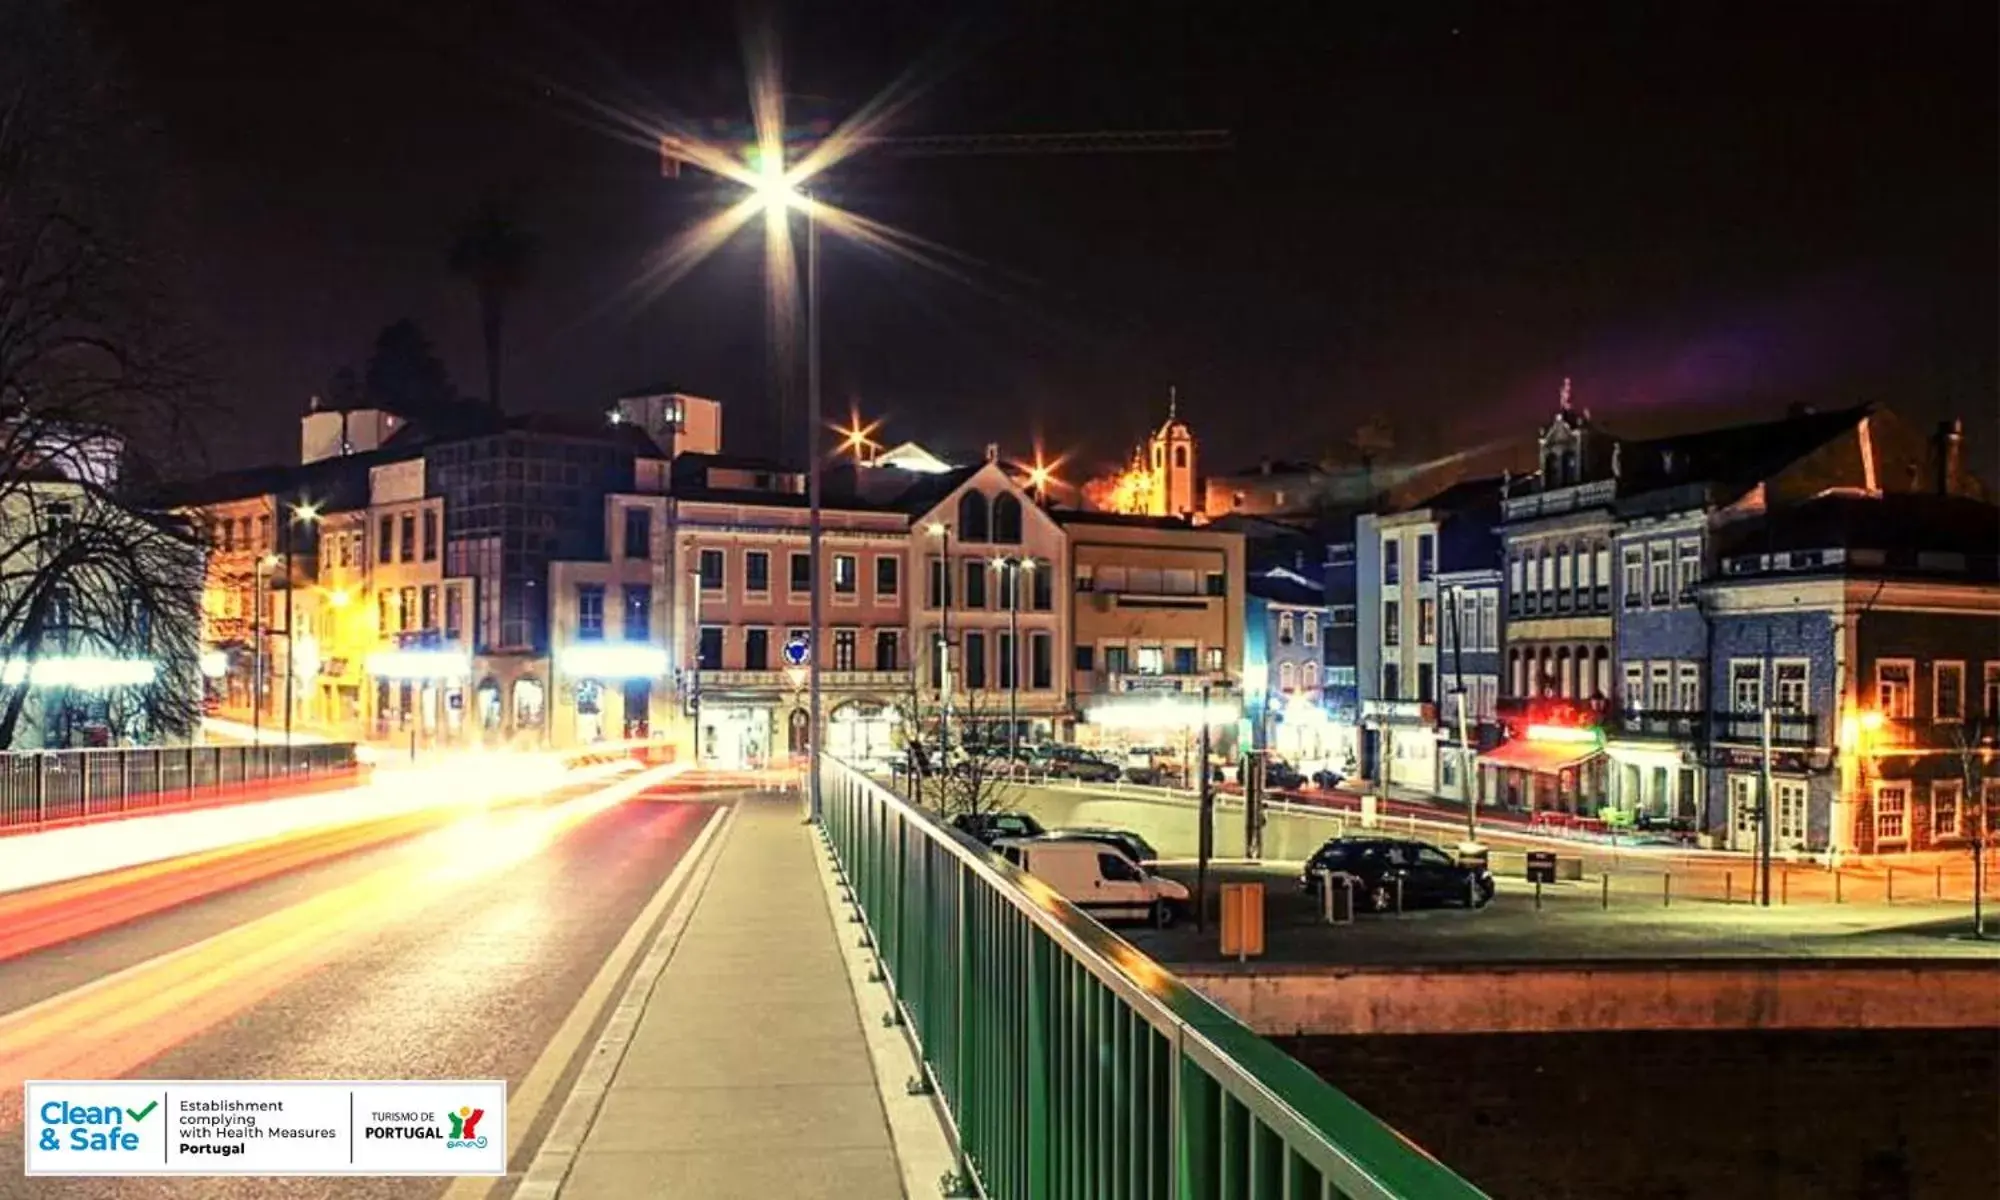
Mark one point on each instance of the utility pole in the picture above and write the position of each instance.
(1465, 772)
(291, 644)
(694, 660)
(1764, 811)
(814, 519)
(1014, 663)
(1207, 835)
(942, 532)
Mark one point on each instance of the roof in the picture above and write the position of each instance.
(1899, 521)
(1084, 516)
(928, 491)
(1542, 758)
(1284, 587)
(338, 482)
(1466, 494)
(1739, 455)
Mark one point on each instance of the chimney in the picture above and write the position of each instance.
(1948, 450)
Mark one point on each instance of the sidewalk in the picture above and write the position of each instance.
(749, 1072)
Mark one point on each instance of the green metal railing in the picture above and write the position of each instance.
(1071, 1064)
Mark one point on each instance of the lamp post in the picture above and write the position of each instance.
(264, 563)
(813, 527)
(306, 513)
(942, 531)
(1011, 567)
(694, 660)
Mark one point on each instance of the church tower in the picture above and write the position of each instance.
(1170, 454)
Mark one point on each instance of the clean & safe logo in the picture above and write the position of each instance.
(92, 1129)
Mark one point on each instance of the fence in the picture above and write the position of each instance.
(66, 786)
(1071, 1064)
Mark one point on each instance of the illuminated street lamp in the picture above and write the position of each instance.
(305, 512)
(942, 532)
(1012, 567)
(264, 563)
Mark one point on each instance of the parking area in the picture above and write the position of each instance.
(1572, 922)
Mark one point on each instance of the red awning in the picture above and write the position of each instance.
(1543, 758)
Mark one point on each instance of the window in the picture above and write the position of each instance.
(939, 577)
(1426, 556)
(972, 526)
(430, 603)
(1489, 621)
(1603, 572)
(1287, 677)
(1309, 627)
(1427, 683)
(1184, 660)
(757, 571)
(1892, 688)
(589, 612)
(846, 575)
(1152, 660)
(1117, 660)
(708, 651)
(1635, 577)
(844, 649)
(1427, 622)
(1944, 808)
(1007, 581)
(1042, 587)
(1892, 809)
(409, 549)
(973, 662)
(887, 645)
(409, 608)
(1948, 691)
(1041, 661)
(1211, 657)
(430, 535)
(1086, 577)
(1687, 687)
(385, 540)
(1086, 658)
(1660, 563)
(1659, 692)
(888, 577)
(1341, 616)
(1309, 676)
(1514, 586)
(638, 533)
(1746, 686)
(975, 582)
(1563, 562)
(1990, 701)
(1788, 685)
(1689, 569)
(1392, 681)
(1115, 869)
(802, 573)
(935, 641)
(1392, 623)
(1392, 550)
(756, 649)
(1285, 630)
(1635, 685)
(1006, 520)
(638, 612)
(454, 613)
(711, 570)
(1217, 585)
(384, 601)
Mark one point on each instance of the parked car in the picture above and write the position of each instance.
(1099, 879)
(1282, 776)
(1136, 848)
(1075, 763)
(1327, 778)
(1427, 874)
(990, 827)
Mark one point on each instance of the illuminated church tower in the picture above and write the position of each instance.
(1170, 459)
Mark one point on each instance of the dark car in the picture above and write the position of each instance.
(1071, 762)
(991, 827)
(1427, 875)
(1327, 778)
(1282, 776)
(1136, 848)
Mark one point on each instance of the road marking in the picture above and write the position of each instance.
(525, 1103)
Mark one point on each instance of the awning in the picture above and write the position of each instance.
(1542, 758)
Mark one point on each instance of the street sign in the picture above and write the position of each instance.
(798, 650)
(1541, 866)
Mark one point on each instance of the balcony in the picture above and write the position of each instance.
(782, 680)
(1667, 725)
(1790, 731)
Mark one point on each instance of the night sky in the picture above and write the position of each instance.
(1432, 212)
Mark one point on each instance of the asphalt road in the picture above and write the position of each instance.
(451, 954)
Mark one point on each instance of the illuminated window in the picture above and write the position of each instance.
(1635, 685)
(846, 575)
(1660, 564)
(1427, 622)
(1689, 568)
(1392, 623)
(1746, 686)
(1287, 677)
(1660, 682)
(1790, 802)
(1309, 676)
(1789, 685)
(589, 611)
(1635, 577)
(1285, 628)
(1152, 660)
(1687, 687)
(1892, 807)
(1894, 696)
(1944, 808)
(1310, 629)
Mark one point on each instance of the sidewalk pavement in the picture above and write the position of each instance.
(748, 1073)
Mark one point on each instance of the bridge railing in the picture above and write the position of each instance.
(58, 787)
(1073, 1066)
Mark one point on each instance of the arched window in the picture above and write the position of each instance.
(1180, 456)
(1569, 466)
(1514, 673)
(972, 526)
(1309, 676)
(1006, 519)
(1286, 680)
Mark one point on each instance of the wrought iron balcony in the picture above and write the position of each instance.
(1791, 731)
(1672, 725)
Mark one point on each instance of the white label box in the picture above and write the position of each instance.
(265, 1127)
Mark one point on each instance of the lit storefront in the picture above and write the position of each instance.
(863, 732)
(419, 694)
(1163, 725)
(1547, 767)
(1401, 743)
(607, 690)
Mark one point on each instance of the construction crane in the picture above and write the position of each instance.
(1170, 141)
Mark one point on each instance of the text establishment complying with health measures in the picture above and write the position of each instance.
(265, 1127)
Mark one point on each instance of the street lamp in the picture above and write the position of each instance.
(264, 563)
(304, 512)
(1012, 568)
(942, 531)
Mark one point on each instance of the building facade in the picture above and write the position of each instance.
(1283, 697)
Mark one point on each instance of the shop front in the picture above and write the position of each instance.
(734, 736)
(606, 691)
(1547, 771)
(864, 732)
(1160, 735)
(1401, 743)
(418, 696)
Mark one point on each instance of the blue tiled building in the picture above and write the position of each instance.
(1284, 617)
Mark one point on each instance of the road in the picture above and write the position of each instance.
(453, 951)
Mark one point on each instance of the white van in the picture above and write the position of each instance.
(1097, 878)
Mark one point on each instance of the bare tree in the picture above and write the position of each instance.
(1974, 747)
(96, 372)
(955, 770)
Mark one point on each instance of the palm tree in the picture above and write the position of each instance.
(494, 254)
